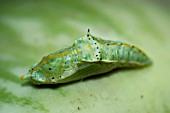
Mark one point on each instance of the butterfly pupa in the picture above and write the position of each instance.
(87, 56)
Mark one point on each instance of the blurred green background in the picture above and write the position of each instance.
(31, 29)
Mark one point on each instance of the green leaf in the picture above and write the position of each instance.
(32, 29)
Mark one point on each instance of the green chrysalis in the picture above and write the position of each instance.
(88, 56)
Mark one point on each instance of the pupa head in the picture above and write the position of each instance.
(37, 76)
(47, 71)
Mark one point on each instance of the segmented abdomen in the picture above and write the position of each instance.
(122, 53)
(92, 49)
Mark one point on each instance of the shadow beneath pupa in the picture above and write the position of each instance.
(93, 77)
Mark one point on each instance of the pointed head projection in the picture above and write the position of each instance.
(47, 71)
(37, 75)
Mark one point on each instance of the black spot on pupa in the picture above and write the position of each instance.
(100, 58)
(133, 46)
(31, 69)
(88, 30)
(87, 35)
(59, 76)
(94, 43)
(120, 44)
(107, 44)
(89, 38)
(97, 47)
(139, 50)
(49, 68)
(52, 77)
(99, 51)
(96, 55)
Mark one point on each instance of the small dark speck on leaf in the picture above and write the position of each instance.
(116, 99)
(141, 96)
(78, 108)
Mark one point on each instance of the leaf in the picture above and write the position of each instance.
(30, 30)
